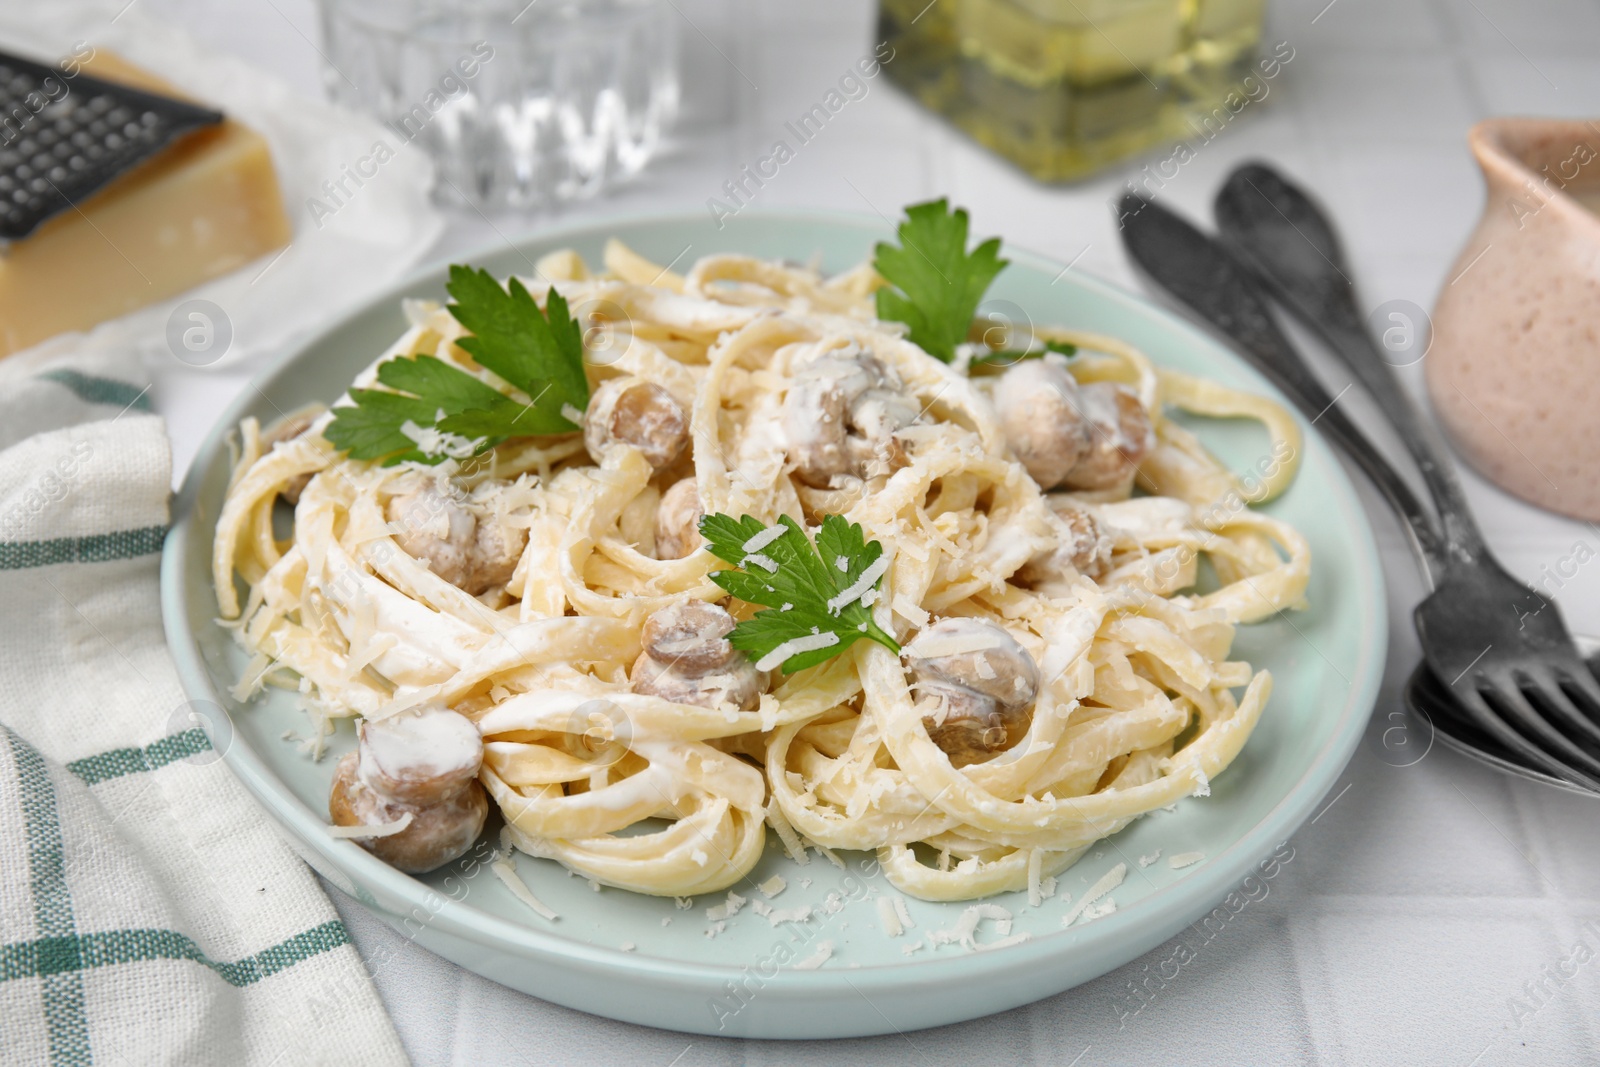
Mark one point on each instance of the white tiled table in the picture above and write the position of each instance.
(1422, 899)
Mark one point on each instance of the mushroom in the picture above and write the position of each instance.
(1041, 412)
(434, 523)
(286, 429)
(678, 520)
(688, 659)
(1121, 435)
(639, 413)
(1081, 546)
(975, 687)
(422, 763)
(841, 414)
(419, 757)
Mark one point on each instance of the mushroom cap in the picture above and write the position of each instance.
(689, 636)
(1121, 436)
(638, 413)
(967, 726)
(978, 655)
(438, 833)
(814, 426)
(1041, 412)
(433, 522)
(678, 520)
(420, 756)
(737, 682)
(1080, 544)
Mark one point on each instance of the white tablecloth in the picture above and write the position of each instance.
(1435, 913)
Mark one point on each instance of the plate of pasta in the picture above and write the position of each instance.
(799, 628)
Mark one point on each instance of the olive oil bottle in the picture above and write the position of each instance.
(1065, 87)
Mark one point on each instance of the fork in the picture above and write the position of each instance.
(1527, 685)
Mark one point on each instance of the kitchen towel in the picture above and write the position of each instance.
(149, 914)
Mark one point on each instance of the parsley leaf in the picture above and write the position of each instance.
(938, 285)
(805, 589)
(540, 353)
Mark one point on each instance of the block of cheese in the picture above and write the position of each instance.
(206, 206)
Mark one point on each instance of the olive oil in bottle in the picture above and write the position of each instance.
(1065, 87)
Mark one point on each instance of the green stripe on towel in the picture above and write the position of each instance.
(122, 761)
(96, 390)
(71, 955)
(92, 548)
(58, 968)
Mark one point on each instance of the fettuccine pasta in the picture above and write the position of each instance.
(534, 629)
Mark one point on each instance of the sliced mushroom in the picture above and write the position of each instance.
(437, 834)
(841, 415)
(421, 756)
(1121, 435)
(688, 659)
(1082, 547)
(1041, 412)
(638, 413)
(678, 520)
(975, 687)
(434, 523)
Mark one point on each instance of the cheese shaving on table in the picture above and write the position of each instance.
(823, 954)
(772, 886)
(965, 930)
(1145, 861)
(1185, 859)
(506, 871)
(1108, 881)
(889, 918)
(727, 909)
(774, 916)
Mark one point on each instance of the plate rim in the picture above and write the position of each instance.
(1209, 883)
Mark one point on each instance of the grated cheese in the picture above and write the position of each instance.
(965, 931)
(795, 646)
(1108, 881)
(382, 829)
(506, 871)
(726, 910)
(1185, 859)
(773, 886)
(823, 954)
(860, 586)
(766, 563)
(764, 538)
(889, 919)
(1145, 861)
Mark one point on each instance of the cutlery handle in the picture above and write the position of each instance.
(1287, 242)
(1197, 271)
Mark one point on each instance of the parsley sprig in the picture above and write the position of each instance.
(540, 353)
(937, 283)
(805, 586)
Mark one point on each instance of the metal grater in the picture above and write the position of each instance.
(60, 146)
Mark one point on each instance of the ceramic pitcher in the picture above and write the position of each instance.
(1514, 369)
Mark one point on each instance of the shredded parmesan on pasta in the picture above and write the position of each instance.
(635, 791)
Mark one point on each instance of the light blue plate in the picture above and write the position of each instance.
(1327, 663)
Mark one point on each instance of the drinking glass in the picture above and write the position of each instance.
(520, 104)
